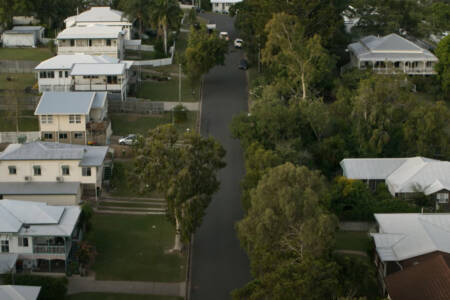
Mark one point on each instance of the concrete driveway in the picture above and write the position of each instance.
(219, 265)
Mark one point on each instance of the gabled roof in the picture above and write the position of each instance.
(65, 103)
(403, 236)
(7, 262)
(99, 14)
(429, 279)
(19, 292)
(42, 219)
(90, 32)
(402, 175)
(89, 156)
(97, 69)
(66, 62)
(389, 47)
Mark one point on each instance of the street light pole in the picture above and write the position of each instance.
(179, 83)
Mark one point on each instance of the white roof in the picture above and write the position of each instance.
(404, 236)
(402, 175)
(99, 14)
(19, 292)
(389, 47)
(66, 62)
(42, 219)
(97, 69)
(7, 262)
(94, 31)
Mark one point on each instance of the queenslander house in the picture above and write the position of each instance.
(54, 173)
(74, 118)
(37, 237)
(391, 54)
(405, 178)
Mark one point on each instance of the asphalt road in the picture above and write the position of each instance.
(218, 264)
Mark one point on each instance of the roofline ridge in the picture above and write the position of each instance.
(412, 175)
(13, 215)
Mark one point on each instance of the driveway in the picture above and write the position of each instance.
(219, 265)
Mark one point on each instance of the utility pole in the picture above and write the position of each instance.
(179, 83)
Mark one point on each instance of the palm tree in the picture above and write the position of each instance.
(165, 14)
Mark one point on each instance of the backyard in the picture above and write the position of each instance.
(16, 81)
(31, 54)
(134, 248)
(168, 90)
(124, 123)
(352, 240)
(108, 296)
(27, 121)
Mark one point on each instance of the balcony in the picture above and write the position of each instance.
(44, 249)
(112, 87)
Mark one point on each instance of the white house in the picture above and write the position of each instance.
(35, 166)
(102, 16)
(404, 240)
(92, 40)
(404, 177)
(19, 292)
(23, 36)
(223, 6)
(54, 73)
(391, 54)
(40, 235)
(74, 117)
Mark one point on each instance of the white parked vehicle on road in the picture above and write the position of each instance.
(224, 35)
(238, 43)
(131, 139)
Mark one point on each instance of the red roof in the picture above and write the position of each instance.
(429, 280)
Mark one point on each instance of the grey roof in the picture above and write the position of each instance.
(97, 69)
(43, 219)
(7, 262)
(19, 292)
(24, 30)
(27, 28)
(90, 32)
(39, 188)
(89, 156)
(370, 168)
(99, 99)
(65, 103)
(391, 47)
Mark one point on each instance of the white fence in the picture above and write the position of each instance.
(13, 137)
(137, 46)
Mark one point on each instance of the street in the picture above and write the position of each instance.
(219, 265)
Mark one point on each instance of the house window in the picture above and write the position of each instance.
(5, 246)
(51, 74)
(397, 64)
(90, 43)
(37, 170)
(108, 42)
(12, 170)
(42, 74)
(86, 171)
(74, 119)
(60, 74)
(66, 74)
(415, 64)
(48, 136)
(46, 119)
(429, 64)
(65, 170)
(442, 197)
(63, 136)
(23, 242)
(78, 135)
(72, 43)
(111, 79)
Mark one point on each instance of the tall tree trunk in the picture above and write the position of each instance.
(178, 245)
(165, 38)
(303, 86)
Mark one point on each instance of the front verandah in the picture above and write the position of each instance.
(390, 67)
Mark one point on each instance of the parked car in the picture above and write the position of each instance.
(224, 35)
(238, 43)
(129, 140)
(243, 64)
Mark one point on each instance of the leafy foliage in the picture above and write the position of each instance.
(443, 66)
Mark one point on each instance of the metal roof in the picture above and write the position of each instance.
(99, 99)
(7, 262)
(39, 188)
(90, 32)
(99, 14)
(65, 103)
(43, 219)
(19, 292)
(370, 168)
(89, 156)
(403, 236)
(66, 62)
(97, 69)
(24, 29)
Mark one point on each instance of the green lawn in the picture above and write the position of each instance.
(124, 124)
(33, 54)
(108, 296)
(27, 122)
(352, 240)
(133, 248)
(18, 81)
(141, 55)
(168, 90)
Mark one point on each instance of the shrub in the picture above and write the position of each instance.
(180, 114)
(52, 288)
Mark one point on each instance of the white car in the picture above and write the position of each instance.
(224, 35)
(131, 139)
(238, 43)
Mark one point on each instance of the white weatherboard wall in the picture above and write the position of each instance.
(14, 244)
(19, 40)
(50, 169)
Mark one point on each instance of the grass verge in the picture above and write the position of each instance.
(134, 248)
(32, 54)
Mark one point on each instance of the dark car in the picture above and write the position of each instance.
(243, 64)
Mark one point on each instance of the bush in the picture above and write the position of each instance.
(180, 114)
(52, 288)
(86, 216)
